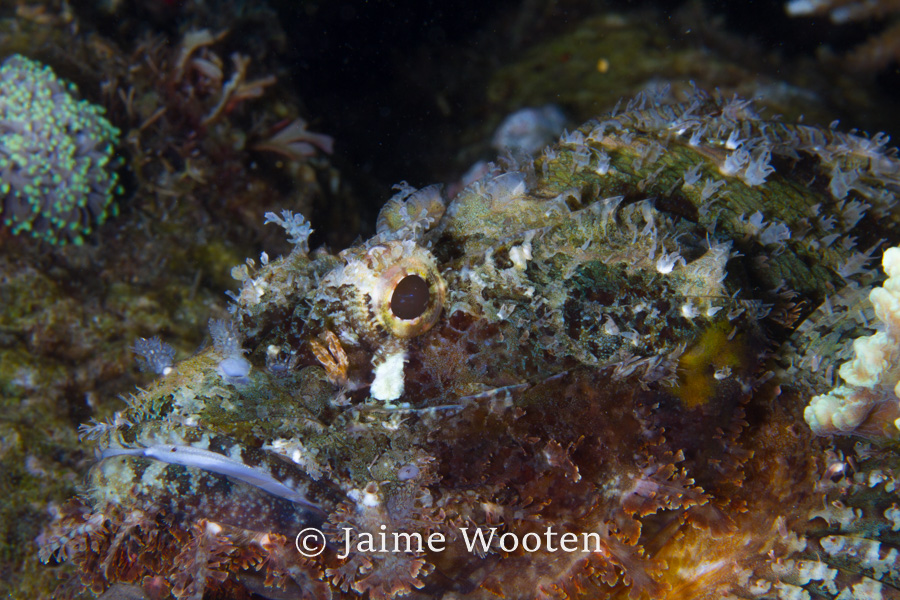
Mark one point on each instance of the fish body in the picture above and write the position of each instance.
(611, 343)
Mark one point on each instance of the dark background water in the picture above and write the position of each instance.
(396, 83)
(375, 66)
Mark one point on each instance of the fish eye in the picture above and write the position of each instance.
(393, 289)
(410, 298)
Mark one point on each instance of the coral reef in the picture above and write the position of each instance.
(474, 436)
(867, 404)
(572, 358)
(57, 163)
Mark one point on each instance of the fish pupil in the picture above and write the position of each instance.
(410, 297)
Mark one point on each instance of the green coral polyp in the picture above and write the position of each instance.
(58, 173)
